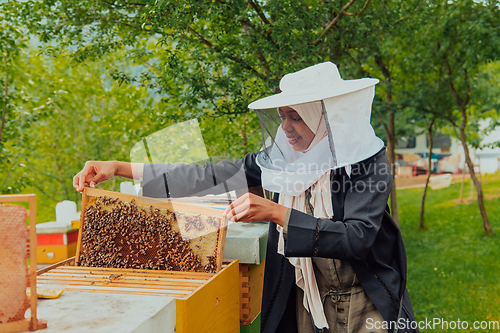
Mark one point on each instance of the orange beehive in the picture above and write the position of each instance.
(55, 242)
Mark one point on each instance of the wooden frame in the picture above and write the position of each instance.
(165, 204)
(33, 323)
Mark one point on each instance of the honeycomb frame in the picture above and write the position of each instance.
(119, 230)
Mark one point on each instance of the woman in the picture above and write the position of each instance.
(335, 258)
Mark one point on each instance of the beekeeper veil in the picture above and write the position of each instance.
(318, 122)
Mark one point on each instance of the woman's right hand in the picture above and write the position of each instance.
(93, 173)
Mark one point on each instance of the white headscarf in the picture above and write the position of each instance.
(312, 115)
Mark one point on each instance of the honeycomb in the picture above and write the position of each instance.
(126, 234)
(13, 268)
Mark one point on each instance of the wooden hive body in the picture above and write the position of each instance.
(205, 302)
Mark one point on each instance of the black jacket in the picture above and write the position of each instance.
(362, 232)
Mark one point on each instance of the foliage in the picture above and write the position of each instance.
(69, 114)
(162, 62)
(12, 41)
(204, 59)
(73, 112)
(213, 56)
(448, 68)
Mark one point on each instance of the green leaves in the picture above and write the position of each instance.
(131, 68)
(208, 49)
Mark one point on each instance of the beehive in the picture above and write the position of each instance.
(205, 302)
(124, 231)
(190, 240)
(55, 242)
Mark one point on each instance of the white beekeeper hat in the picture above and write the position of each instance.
(313, 83)
(345, 106)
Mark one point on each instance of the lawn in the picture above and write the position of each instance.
(453, 267)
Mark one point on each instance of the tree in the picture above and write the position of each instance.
(209, 59)
(212, 57)
(382, 54)
(12, 43)
(454, 41)
(205, 59)
(417, 100)
(69, 114)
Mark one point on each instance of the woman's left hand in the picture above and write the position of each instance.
(252, 208)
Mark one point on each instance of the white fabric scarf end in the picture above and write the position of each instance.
(304, 271)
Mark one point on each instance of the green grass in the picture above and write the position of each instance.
(453, 267)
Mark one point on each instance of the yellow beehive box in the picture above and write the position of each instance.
(251, 284)
(205, 302)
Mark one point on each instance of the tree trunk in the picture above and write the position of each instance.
(391, 135)
(477, 183)
(4, 111)
(391, 156)
(422, 207)
(244, 136)
(463, 184)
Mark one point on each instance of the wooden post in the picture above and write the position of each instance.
(34, 297)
